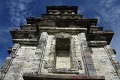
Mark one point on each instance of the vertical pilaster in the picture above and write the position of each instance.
(41, 48)
(113, 59)
(49, 57)
(9, 61)
(76, 61)
(86, 55)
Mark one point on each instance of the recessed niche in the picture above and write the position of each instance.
(62, 53)
(62, 44)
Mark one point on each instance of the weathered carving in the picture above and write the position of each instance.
(76, 65)
(48, 63)
(63, 35)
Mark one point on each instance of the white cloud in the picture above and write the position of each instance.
(19, 11)
(110, 13)
(56, 2)
(22, 6)
(108, 10)
(80, 10)
(3, 51)
(107, 3)
(98, 17)
(1, 62)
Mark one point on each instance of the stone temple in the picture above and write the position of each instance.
(61, 45)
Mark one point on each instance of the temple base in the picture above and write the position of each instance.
(61, 77)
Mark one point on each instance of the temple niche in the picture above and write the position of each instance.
(61, 45)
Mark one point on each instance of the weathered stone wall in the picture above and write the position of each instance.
(42, 59)
(24, 61)
(104, 64)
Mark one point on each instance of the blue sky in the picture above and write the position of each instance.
(14, 12)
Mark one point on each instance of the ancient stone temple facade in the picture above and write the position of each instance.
(61, 45)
